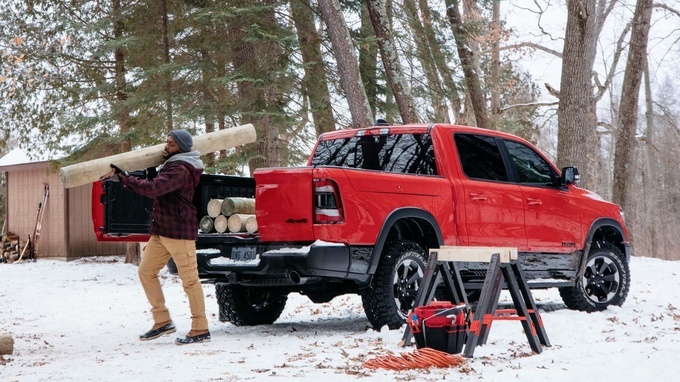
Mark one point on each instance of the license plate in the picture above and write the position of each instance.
(243, 253)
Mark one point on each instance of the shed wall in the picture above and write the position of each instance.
(24, 195)
(67, 228)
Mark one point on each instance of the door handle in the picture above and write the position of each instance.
(476, 196)
(534, 202)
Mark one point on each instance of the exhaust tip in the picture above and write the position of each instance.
(294, 277)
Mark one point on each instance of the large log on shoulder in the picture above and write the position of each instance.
(91, 171)
(6, 344)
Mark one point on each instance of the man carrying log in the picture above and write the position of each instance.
(174, 230)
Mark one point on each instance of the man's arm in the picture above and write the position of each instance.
(170, 179)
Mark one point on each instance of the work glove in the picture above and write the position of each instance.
(151, 173)
(119, 171)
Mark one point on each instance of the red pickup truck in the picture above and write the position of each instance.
(362, 215)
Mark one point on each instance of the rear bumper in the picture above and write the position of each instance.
(283, 264)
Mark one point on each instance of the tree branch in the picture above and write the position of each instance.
(528, 105)
(553, 92)
(533, 46)
(667, 8)
(615, 63)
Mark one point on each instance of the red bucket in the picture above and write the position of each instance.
(439, 325)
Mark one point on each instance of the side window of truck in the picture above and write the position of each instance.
(480, 157)
(531, 167)
(400, 153)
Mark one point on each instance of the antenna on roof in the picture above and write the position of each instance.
(381, 122)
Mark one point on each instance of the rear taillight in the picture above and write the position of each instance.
(327, 203)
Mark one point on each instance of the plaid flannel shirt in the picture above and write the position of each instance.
(172, 191)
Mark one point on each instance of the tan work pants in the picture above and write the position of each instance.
(156, 254)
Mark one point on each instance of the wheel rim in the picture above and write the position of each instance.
(259, 300)
(601, 280)
(407, 277)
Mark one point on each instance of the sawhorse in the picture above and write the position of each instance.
(502, 266)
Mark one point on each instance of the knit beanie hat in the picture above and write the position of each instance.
(183, 139)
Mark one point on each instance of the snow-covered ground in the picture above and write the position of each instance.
(80, 321)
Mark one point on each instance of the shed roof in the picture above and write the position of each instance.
(16, 156)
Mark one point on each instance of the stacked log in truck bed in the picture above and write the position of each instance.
(235, 215)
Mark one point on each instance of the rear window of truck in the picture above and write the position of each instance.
(400, 153)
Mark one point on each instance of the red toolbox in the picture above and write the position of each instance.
(439, 325)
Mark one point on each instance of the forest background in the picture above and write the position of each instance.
(84, 78)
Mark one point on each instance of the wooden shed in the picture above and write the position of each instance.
(67, 228)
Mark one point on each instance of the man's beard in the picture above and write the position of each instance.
(167, 155)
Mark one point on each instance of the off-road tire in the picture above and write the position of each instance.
(248, 306)
(395, 285)
(605, 282)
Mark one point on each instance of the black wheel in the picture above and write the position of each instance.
(605, 281)
(246, 306)
(395, 284)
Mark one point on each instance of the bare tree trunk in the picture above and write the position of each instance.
(368, 60)
(577, 119)
(256, 60)
(314, 81)
(650, 165)
(123, 117)
(576, 111)
(209, 99)
(440, 61)
(427, 61)
(166, 61)
(347, 63)
(624, 163)
(390, 58)
(472, 81)
(495, 63)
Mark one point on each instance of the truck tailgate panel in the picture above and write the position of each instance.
(284, 204)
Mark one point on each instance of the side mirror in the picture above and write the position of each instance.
(569, 175)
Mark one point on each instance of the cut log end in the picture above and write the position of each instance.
(220, 224)
(214, 207)
(206, 224)
(6, 344)
(251, 224)
(237, 222)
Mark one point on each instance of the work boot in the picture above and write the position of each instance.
(194, 336)
(158, 330)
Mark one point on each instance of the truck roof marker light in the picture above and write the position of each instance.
(365, 132)
(327, 203)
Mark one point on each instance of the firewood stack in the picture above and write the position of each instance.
(236, 215)
(11, 248)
